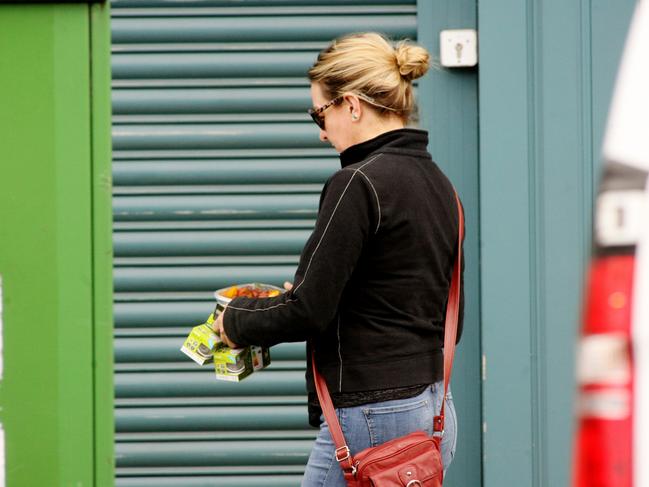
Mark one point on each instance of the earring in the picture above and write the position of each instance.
(354, 116)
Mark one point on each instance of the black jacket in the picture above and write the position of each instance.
(371, 287)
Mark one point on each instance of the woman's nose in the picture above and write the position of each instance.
(323, 136)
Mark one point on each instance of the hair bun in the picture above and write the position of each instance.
(412, 61)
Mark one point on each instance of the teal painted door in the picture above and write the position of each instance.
(217, 173)
(448, 103)
(546, 77)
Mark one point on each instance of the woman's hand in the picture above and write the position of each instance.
(218, 328)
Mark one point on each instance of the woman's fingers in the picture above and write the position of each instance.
(218, 328)
(288, 285)
(227, 341)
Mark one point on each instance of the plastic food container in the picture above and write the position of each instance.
(236, 364)
(252, 289)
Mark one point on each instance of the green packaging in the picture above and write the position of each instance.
(203, 345)
(202, 342)
(235, 364)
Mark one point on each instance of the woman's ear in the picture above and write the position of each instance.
(352, 103)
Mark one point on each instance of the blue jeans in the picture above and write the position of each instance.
(374, 424)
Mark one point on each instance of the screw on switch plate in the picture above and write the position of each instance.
(458, 48)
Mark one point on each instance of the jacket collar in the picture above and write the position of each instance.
(406, 139)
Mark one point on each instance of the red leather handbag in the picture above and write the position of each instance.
(413, 460)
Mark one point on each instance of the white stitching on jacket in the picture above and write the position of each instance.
(262, 309)
(378, 203)
(340, 357)
(324, 232)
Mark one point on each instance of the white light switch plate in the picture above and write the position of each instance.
(458, 48)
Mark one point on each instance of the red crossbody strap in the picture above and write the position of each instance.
(452, 315)
(343, 454)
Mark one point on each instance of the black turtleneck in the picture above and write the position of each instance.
(402, 139)
(371, 286)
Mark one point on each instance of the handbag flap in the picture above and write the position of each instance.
(404, 462)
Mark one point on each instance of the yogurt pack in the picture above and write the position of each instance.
(204, 346)
(202, 342)
(235, 364)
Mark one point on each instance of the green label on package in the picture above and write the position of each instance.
(236, 364)
(201, 343)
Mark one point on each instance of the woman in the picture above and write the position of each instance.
(370, 290)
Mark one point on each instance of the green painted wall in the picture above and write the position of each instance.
(55, 257)
(546, 75)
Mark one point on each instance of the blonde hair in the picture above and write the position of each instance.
(377, 72)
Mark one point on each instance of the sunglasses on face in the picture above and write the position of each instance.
(317, 113)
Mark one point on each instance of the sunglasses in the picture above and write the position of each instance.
(316, 113)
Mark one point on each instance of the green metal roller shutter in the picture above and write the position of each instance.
(217, 172)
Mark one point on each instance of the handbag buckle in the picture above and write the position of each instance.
(438, 426)
(347, 456)
(345, 450)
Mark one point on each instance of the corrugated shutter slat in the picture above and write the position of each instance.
(216, 176)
